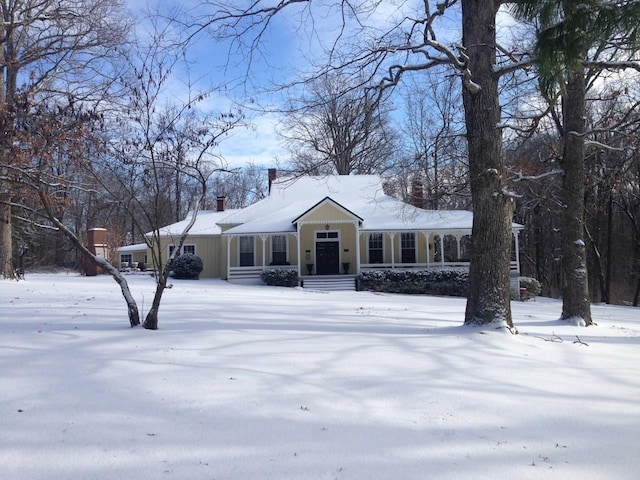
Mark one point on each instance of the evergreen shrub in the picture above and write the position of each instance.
(280, 277)
(531, 285)
(442, 281)
(187, 266)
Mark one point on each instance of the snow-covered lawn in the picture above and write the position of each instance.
(250, 383)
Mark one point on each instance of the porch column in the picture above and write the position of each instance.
(263, 237)
(426, 237)
(393, 247)
(517, 246)
(298, 246)
(442, 249)
(229, 256)
(357, 237)
(458, 237)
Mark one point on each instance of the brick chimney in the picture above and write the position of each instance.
(417, 194)
(221, 203)
(273, 174)
(97, 244)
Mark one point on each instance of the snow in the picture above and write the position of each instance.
(251, 382)
(206, 223)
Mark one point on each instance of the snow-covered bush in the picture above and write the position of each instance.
(441, 281)
(531, 285)
(280, 277)
(187, 266)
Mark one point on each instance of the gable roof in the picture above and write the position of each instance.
(324, 201)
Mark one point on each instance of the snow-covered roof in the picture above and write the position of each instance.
(291, 198)
(360, 194)
(206, 224)
(137, 247)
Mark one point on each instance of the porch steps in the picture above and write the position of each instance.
(330, 282)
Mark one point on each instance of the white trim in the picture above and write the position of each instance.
(324, 222)
(263, 237)
(229, 238)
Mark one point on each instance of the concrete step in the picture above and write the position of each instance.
(330, 283)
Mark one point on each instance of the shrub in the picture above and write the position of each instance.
(531, 285)
(187, 266)
(280, 277)
(452, 282)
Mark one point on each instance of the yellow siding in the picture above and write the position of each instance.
(208, 248)
(327, 213)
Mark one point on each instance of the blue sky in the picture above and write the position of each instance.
(293, 35)
(211, 66)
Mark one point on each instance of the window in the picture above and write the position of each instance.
(327, 235)
(375, 248)
(188, 248)
(408, 246)
(246, 252)
(278, 250)
(125, 258)
(450, 248)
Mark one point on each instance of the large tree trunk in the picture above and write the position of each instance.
(6, 242)
(575, 289)
(489, 299)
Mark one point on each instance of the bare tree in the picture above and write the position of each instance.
(240, 187)
(49, 150)
(436, 153)
(49, 47)
(139, 148)
(169, 147)
(338, 128)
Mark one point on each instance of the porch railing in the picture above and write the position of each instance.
(384, 266)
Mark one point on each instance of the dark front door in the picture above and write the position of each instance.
(328, 258)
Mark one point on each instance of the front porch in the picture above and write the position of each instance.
(323, 253)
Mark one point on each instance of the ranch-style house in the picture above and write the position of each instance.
(329, 229)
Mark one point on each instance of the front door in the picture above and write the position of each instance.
(328, 257)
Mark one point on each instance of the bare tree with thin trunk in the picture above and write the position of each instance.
(169, 145)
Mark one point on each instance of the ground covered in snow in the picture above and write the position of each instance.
(249, 383)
